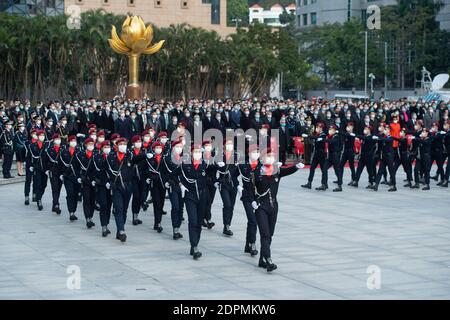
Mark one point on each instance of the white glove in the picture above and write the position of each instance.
(80, 135)
(108, 185)
(320, 139)
(79, 180)
(149, 155)
(221, 164)
(443, 132)
(239, 189)
(279, 164)
(249, 137)
(47, 172)
(217, 185)
(167, 185)
(375, 138)
(183, 190)
(352, 135)
(61, 177)
(413, 137)
(255, 205)
(31, 169)
(148, 180)
(337, 131)
(93, 183)
(304, 135)
(300, 165)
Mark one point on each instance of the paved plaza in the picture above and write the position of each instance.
(324, 243)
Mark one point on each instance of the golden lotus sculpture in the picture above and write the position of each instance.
(135, 40)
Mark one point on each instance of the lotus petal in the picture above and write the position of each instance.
(116, 38)
(138, 28)
(117, 48)
(126, 22)
(155, 48)
(127, 36)
(139, 46)
(148, 35)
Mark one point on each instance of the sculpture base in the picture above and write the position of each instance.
(133, 91)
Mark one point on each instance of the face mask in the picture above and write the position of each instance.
(178, 150)
(93, 137)
(254, 156)
(158, 150)
(90, 148)
(122, 148)
(8, 127)
(152, 134)
(21, 129)
(283, 124)
(50, 123)
(366, 132)
(154, 117)
(163, 140)
(146, 139)
(138, 145)
(106, 150)
(57, 142)
(41, 138)
(208, 148)
(229, 147)
(34, 136)
(101, 139)
(73, 144)
(197, 155)
(247, 113)
(218, 118)
(257, 118)
(263, 132)
(270, 160)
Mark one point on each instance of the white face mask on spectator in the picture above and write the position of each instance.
(197, 156)
(158, 150)
(138, 145)
(122, 148)
(73, 144)
(90, 147)
(57, 142)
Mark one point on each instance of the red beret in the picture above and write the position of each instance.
(265, 126)
(92, 130)
(182, 123)
(157, 144)
(101, 133)
(55, 136)
(162, 134)
(135, 138)
(206, 142)
(88, 140)
(333, 126)
(92, 126)
(175, 142)
(39, 132)
(196, 147)
(105, 143)
(71, 138)
(350, 124)
(121, 140)
(115, 136)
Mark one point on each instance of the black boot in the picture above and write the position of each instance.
(375, 187)
(122, 237)
(270, 265)
(251, 248)
(370, 186)
(262, 263)
(56, 209)
(322, 188)
(210, 224)
(436, 177)
(157, 227)
(408, 185)
(415, 186)
(39, 205)
(195, 253)
(176, 234)
(444, 184)
(427, 187)
(144, 206)
(73, 217)
(227, 231)
(353, 184)
(392, 189)
(27, 200)
(307, 186)
(338, 189)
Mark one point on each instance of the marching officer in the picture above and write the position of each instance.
(7, 146)
(211, 172)
(28, 165)
(247, 192)
(348, 154)
(137, 155)
(103, 185)
(386, 159)
(404, 157)
(20, 147)
(267, 181)
(368, 146)
(335, 148)
(193, 189)
(39, 167)
(319, 157)
(70, 175)
(423, 159)
(87, 179)
(55, 170)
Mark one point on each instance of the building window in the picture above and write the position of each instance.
(105, 2)
(313, 18)
(184, 4)
(80, 1)
(305, 19)
(349, 9)
(131, 3)
(299, 21)
(215, 11)
(305, 2)
(158, 3)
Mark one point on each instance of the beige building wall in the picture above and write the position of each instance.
(163, 13)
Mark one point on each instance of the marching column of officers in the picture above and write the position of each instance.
(106, 175)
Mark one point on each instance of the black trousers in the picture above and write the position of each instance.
(7, 162)
(72, 190)
(334, 160)
(252, 225)
(89, 195)
(210, 194)
(228, 194)
(177, 203)
(423, 165)
(386, 162)
(39, 182)
(195, 210)
(56, 185)
(405, 161)
(439, 158)
(323, 162)
(28, 180)
(266, 216)
(158, 196)
(121, 196)
(138, 194)
(366, 161)
(348, 156)
(104, 199)
(447, 169)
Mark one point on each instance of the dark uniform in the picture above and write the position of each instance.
(446, 157)
(153, 170)
(56, 169)
(39, 167)
(404, 159)
(7, 146)
(103, 185)
(211, 179)
(423, 162)
(386, 161)
(28, 173)
(335, 147)
(87, 175)
(368, 147)
(348, 155)
(137, 156)
(70, 167)
(318, 157)
(437, 153)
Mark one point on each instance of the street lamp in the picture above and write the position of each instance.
(365, 61)
(372, 77)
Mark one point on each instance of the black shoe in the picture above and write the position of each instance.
(322, 188)
(375, 187)
(338, 189)
(307, 186)
(408, 185)
(335, 182)
(122, 237)
(370, 186)
(353, 184)
(248, 249)
(270, 265)
(435, 178)
(56, 209)
(415, 186)
(205, 224)
(136, 222)
(444, 184)
(262, 263)
(392, 189)
(96, 207)
(73, 217)
(89, 224)
(27, 200)
(210, 225)
(144, 206)
(164, 212)
(197, 255)
(227, 231)
(39, 204)
(158, 228)
(427, 187)
(384, 182)
(177, 236)
(105, 233)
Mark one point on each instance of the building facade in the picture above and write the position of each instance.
(270, 17)
(206, 14)
(319, 12)
(32, 7)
